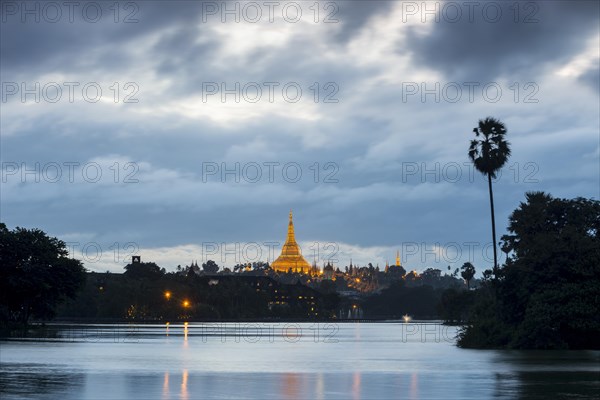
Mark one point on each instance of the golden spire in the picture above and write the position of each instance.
(291, 237)
(291, 256)
(398, 263)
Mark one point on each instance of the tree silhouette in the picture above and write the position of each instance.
(37, 274)
(489, 154)
(144, 270)
(468, 272)
(547, 297)
(396, 272)
(210, 267)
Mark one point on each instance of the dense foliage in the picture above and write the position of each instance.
(547, 295)
(37, 274)
(398, 299)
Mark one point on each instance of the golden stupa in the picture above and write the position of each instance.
(291, 257)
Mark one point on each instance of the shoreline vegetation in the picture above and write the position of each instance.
(544, 297)
(546, 294)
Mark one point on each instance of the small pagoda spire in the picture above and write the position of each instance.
(291, 236)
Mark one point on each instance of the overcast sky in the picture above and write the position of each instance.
(186, 130)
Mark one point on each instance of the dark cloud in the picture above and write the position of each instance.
(43, 45)
(368, 134)
(354, 14)
(548, 33)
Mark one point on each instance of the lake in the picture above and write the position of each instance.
(283, 361)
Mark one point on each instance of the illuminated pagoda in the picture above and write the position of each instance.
(291, 256)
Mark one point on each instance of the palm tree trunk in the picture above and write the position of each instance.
(493, 223)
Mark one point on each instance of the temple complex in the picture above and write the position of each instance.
(291, 256)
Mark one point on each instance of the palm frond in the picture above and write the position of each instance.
(490, 153)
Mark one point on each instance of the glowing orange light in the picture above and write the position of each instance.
(186, 303)
(168, 295)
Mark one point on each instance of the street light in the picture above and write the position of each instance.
(168, 295)
(186, 303)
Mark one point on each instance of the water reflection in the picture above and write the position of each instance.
(414, 386)
(368, 361)
(184, 385)
(290, 386)
(356, 385)
(184, 390)
(34, 381)
(320, 387)
(547, 374)
(185, 335)
(165, 392)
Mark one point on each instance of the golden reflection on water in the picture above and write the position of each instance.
(295, 386)
(183, 389)
(166, 386)
(291, 386)
(356, 385)
(184, 383)
(414, 386)
(185, 335)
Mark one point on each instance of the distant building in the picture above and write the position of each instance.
(328, 271)
(195, 268)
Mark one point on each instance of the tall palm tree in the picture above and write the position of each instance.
(468, 272)
(489, 152)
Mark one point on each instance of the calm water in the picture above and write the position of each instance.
(279, 361)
